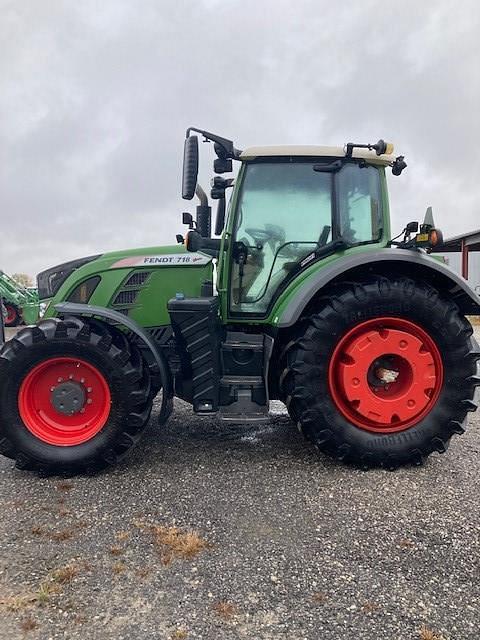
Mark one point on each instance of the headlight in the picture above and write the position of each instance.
(50, 281)
(83, 291)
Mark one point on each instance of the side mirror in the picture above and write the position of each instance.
(190, 167)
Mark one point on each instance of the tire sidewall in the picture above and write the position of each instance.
(415, 304)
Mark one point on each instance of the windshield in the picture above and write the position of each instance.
(288, 210)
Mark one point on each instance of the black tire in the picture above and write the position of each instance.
(307, 393)
(14, 317)
(121, 366)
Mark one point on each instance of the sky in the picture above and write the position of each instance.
(95, 98)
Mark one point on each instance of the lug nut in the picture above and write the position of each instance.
(89, 401)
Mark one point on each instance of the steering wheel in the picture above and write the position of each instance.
(259, 235)
(271, 232)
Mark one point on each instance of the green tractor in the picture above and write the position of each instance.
(20, 304)
(363, 337)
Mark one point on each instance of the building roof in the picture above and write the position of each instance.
(313, 151)
(471, 239)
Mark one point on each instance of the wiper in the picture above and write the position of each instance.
(337, 245)
(322, 252)
(330, 167)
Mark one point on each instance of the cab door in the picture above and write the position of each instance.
(286, 214)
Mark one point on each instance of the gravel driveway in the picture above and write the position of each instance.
(217, 532)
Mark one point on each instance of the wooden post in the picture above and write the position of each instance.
(2, 322)
(464, 259)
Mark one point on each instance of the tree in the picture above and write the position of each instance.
(23, 278)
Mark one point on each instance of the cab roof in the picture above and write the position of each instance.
(313, 151)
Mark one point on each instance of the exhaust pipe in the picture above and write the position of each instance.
(204, 214)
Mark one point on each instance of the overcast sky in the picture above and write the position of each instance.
(95, 98)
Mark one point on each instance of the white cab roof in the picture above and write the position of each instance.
(313, 151)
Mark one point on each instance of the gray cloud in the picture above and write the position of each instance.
(95, 98)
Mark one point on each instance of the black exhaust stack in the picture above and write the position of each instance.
(204, 214)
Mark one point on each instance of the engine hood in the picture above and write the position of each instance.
(169, 256)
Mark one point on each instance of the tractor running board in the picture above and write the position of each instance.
(227, 371)
(243, 392)
(244, 385)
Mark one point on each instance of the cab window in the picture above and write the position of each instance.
(286, 211)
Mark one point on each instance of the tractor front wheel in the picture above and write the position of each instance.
(73, 396)
(383, 374)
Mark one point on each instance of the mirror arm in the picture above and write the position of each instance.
(226, 144)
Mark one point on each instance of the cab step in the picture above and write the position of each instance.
(243, 386)
(243, 393)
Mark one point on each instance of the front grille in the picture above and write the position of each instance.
(137, 279)
(126, 297)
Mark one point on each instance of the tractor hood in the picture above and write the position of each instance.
(50, 280)
(172, 256)
(135, 282)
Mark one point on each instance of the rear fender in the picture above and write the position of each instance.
(388, 262)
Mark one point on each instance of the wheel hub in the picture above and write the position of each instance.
(385, 375)
(68, 397)
(64, 401)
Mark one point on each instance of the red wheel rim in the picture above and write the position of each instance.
(11, 314)
(385, 375)
(42, 408)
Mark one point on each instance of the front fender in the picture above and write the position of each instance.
(88, 310)
(383, 261)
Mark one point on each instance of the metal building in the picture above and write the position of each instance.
(462, 254)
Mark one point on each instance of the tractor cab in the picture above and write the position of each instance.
(291, 206)
(292, 210)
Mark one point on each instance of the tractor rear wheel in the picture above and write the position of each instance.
(13, 316)
(73, 396)
(383, 374)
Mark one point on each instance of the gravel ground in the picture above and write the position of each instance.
(292, 545)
